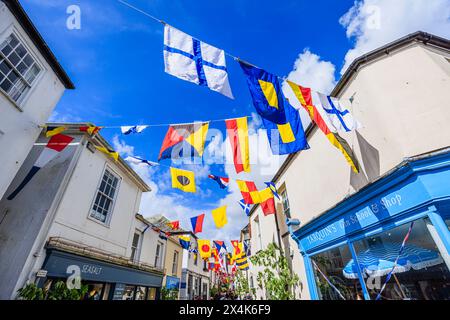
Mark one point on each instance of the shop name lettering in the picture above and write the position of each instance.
(369, 211)
(87, 268)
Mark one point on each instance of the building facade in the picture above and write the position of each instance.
(195, 277)
(334, 225)
(78, 215)
(31, 84)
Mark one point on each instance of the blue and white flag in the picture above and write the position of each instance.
(335, 113)
(273, 188)
(126, 130)
(195, 61)
(246, 207)
(136, 160)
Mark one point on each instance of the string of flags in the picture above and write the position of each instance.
(193, 60)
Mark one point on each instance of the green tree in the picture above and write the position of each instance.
(169, 294)
(276, 278)
(242, 288)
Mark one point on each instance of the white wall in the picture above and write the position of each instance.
(72, 219)
(19, 127)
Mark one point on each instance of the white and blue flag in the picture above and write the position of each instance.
(246, 207)
(139, 161)
(195, 61)
(126, 130)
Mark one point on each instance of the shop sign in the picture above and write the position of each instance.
(172, 283)
(368, 214)
(41, 274)
(118, 291)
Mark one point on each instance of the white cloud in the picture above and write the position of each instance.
(374, 23)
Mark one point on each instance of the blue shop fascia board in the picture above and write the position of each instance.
(408, 192)
(57, 262)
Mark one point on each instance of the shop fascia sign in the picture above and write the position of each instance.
(370, 214)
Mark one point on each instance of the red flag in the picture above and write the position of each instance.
(237, 131)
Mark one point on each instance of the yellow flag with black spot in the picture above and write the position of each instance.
(183, 180)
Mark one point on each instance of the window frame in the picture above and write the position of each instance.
(107, 221)
(285, 199)
(137, 251)
(158, 256)
(176, 255)
(12, 30)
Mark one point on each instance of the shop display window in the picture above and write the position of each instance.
(140, 293)
(420, 272)
(151, 294)
(128, 293)
(330, 280)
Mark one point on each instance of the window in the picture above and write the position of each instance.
(18, 69)
(329, 268)
(175, 262)
(135, 247)
(286, 207)
(421, 272)
(195, 258)
(258, 233)
(104, 200)
(159, 253)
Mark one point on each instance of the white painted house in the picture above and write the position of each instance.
(31, 84)
(195, 277)
(400, 93)
(79, 210)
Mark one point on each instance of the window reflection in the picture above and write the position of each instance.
(331, 282)
(420, 272)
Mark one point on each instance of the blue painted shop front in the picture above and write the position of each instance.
(350, 251)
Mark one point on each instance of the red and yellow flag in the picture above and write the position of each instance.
(304, 97)
(237, 131)
(249, 191)
(267, 201)
(92, 130)
(204, 248)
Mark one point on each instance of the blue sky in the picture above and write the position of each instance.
(116, 63)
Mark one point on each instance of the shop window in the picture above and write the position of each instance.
(330, 280)
(128, 293)
(140, 293)
(151, 294)
(420, 273)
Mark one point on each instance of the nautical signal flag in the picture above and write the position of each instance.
(195, 61)
(242, 262)
(92, 130)
(237, 248)
(140, 161)
(281, 120)
(245, 207)
(185, 242)
(220, 246)
(174, 225)
(221, 181)
(184, 140)
(237, 131)
(220, 217)
(183, 179)
(51, 131)
(55, 145)
(336, 113)
(273, 188)
(204, 248)
(109, 152)
(197, 223)
(304, 95)
(249, 191)
(267, 201)
(126, 130)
